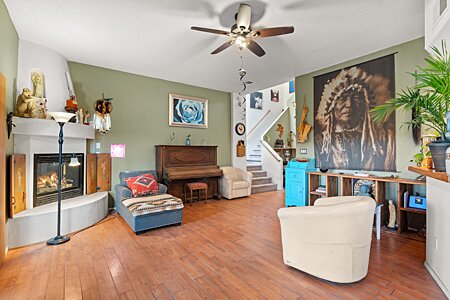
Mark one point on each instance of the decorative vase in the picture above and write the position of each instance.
(188, 140)
(438, 149)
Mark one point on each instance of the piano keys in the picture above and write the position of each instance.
(178, 165)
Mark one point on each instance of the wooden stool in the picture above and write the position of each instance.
(195, 186)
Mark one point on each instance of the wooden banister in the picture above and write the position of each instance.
(259, 122)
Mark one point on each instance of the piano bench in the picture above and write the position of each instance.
(195, 186)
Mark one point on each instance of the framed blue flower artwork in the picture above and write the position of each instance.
(186, 111)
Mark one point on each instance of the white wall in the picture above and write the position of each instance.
(52, 64)
(437, 26)
(254, 115)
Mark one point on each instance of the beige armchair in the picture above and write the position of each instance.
(235, 183)
(330, 240)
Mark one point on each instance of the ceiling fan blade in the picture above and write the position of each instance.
(255, 48)
(266, 32)
(209, 30)
(243, 16)
(223, 47)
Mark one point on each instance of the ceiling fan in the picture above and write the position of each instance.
(242, 33)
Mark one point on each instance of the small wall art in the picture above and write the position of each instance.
(118, 150)
(275, 96)
(256, 100)
(187, 111)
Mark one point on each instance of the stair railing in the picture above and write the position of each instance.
(270, 159)
(259, 122)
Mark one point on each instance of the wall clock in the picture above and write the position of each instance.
(240, 128)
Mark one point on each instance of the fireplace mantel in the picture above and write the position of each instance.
(40, 127)
(38, 136)
(36, 224)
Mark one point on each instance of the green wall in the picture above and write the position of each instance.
(9, 47)
(409, 56)
(140, 115)
(284, 120)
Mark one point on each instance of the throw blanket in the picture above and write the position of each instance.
(152, 204)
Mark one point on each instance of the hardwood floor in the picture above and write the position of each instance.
(224, 249)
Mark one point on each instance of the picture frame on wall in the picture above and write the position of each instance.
(256, 100)
(275, 95)
(188, 111)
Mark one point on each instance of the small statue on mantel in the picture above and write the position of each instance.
(80, 116)
(26, 104)
(392, 215)
(87, 114)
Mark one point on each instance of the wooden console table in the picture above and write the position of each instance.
(335, 182)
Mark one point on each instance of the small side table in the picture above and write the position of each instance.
(195, 186)
(378, 219)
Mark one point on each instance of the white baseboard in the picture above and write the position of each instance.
(438, 280)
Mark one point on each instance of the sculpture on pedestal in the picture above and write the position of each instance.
(392, 215)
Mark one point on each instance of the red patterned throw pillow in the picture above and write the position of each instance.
(142, 185)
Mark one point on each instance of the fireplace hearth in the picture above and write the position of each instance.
(45, 178)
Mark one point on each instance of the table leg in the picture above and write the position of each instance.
(378, 221)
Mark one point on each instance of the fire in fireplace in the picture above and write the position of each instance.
(45, 188)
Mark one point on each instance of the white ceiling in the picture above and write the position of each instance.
(153, 37)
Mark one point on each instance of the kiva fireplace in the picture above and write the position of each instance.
(45, 188)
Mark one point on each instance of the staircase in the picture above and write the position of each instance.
(261, 182)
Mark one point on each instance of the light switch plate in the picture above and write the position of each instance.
(303, 151)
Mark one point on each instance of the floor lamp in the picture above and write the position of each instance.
(62, 118)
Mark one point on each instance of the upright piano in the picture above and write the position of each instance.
(178, 165)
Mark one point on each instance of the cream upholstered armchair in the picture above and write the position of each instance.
(235, 183)
(330, 240)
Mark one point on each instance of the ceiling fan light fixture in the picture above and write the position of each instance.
(242, 33)
(241, 41)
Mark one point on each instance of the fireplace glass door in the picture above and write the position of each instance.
(46, 178)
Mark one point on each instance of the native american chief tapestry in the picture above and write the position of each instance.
(345, 134)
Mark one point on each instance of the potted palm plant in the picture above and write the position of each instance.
(429, 99)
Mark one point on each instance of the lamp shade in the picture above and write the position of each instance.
(61, 117)
(74, 162)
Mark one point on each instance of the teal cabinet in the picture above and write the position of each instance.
(296, 182)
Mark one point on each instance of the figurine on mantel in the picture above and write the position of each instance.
(26, 105)
(83, 116)
(41, 108)
(392, 215)
(71, 104)
(37, 77)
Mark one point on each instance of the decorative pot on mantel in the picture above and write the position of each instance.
(438, 153)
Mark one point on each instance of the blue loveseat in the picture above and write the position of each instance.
(144, 222)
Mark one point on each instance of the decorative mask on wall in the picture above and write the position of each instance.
(102, 120)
